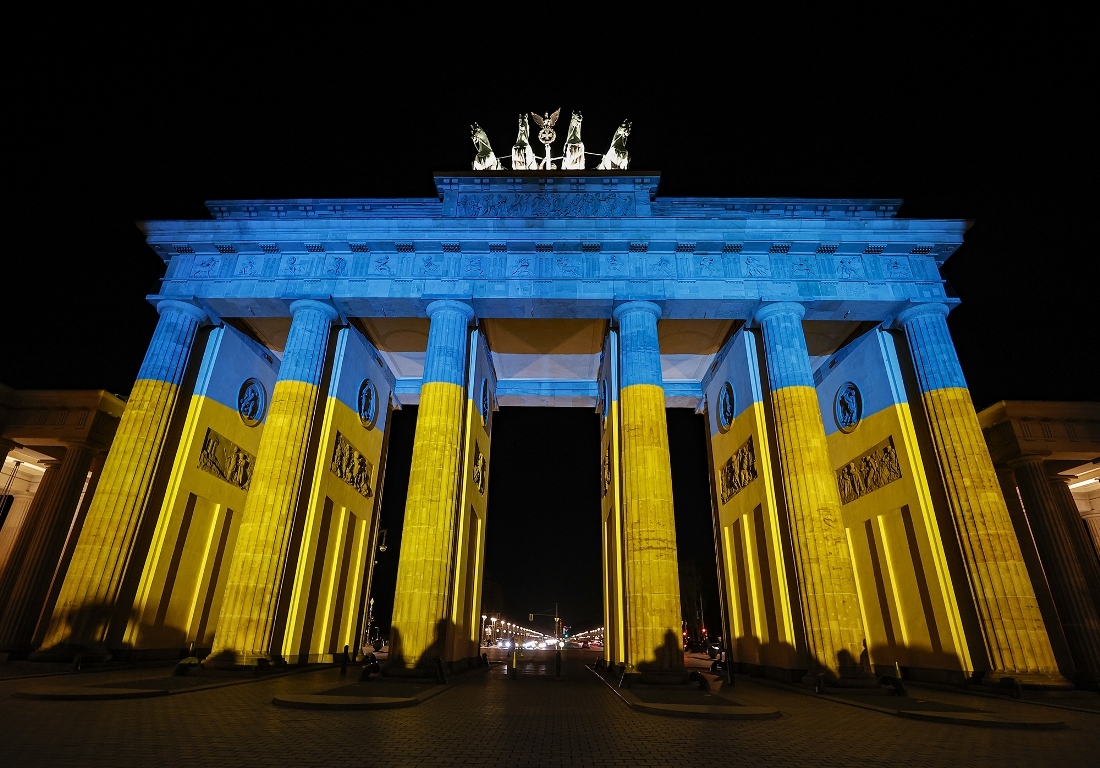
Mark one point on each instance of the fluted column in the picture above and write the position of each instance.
(1064, 572)
(426, 562)
(1015, 636)
(826, 579)
(9, 569)
(87, 600)
(1080, 534)
(39, 545)
(246, 624)
(653, 617)
(1092, 522)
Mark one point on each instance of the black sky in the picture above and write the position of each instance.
(968, 115)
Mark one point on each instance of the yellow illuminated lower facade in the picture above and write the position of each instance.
(238, 517)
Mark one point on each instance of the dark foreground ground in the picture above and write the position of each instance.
(495, 719)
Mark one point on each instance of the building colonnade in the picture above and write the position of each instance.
(262, 580)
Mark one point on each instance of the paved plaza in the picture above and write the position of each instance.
(493, 719)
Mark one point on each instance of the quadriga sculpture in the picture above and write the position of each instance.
(523, 157)
(485, 160)
(617, 157)
(573, 156)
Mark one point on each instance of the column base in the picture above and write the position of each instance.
(1026, 681)
(234, 660)
(68, 652)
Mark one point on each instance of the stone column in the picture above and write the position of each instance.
(425, 566)
(73, 535)
(1015, 636)
(653, 615)
(1080, 533)
(249, 610)
(38, 548)
(6, 446)
(826, 579)
(1062, 566)
(9, 569)
(87, 599)
(1092, 522)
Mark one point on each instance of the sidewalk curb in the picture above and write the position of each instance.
(91, 693)
(333, 702)
(978, 719)
(702, 711)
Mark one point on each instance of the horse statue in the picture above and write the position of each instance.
(523, 157)
(573, 155)
(485, 159)
(617, 157)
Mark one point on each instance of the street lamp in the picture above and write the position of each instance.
(481, 633)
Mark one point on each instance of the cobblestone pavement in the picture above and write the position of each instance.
(492, 719)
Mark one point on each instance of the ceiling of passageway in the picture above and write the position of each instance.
(545, 349)
(558, 349)
(401, 340)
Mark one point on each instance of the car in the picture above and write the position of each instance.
(504, 642)
(529, 645)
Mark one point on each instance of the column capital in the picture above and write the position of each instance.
(919, 310)
(779, 308)
(185, 307)
(323, 307)
(450, 305)
(637, 306)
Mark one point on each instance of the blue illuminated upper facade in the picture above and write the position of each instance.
(557, 245)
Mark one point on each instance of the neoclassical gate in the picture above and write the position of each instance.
(858, 520)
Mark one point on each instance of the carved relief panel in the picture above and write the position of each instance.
(224, 459)
(351, 466)
(868, 472)
(738, 471)
(480, 473)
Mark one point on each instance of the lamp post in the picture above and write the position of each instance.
(481, 633)
(370, 622)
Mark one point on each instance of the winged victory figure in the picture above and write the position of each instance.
(547, 134)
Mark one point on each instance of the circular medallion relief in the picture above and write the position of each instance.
(725, 406)
(368, 403)
(252, 402)
(848, 407)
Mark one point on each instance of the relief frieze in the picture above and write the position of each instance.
(351, 466)
(226, 460)
(543, 205)
(738, 471)
(868, 472)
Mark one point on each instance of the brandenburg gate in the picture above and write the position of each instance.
(858, 519)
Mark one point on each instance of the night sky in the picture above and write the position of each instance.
(977, 117)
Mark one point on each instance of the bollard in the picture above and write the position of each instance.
(515, 663)
(344, 662)
(557, 662)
